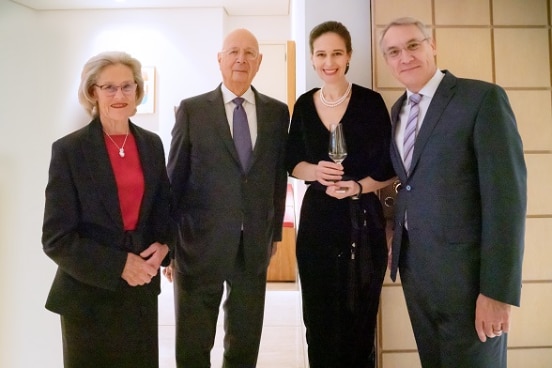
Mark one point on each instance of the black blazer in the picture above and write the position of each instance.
(214, 197)
(83, 227)
(466, 196)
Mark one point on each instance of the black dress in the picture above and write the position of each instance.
(341, 334)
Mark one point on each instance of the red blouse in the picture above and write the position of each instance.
(129, 177)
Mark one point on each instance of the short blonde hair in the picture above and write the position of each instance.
(94, 67)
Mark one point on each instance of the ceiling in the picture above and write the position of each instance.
(233, 7)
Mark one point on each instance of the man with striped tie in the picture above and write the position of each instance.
(460, 212)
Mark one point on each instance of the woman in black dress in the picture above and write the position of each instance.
(341, 243)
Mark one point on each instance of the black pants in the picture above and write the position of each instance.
(197, 302)
(442, 311)
(336, 337)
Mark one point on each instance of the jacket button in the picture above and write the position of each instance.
(408, 188)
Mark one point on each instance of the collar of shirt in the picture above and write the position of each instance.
(228, 95)
(427, 93)
(429, 89)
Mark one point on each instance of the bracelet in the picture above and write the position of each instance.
(357, 196)
(361, 188)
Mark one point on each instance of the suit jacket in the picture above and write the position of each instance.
(466, 195)
(214, 197)
(83, 227)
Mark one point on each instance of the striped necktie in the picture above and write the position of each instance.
(410, 130)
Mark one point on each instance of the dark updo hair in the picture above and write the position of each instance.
(334, 27)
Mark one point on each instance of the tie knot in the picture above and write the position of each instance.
(415, 98)
(238, 101)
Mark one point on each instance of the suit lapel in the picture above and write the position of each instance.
(216, 113)
(395, 155)
(263, 131)
(147, 160)
(439, 102)
(97, 159)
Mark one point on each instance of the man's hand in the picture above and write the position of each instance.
(169, 270)
(492, 318)
(274, 249)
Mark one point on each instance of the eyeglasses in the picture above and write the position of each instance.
(249, 54)
(111, 90)
(412, 46)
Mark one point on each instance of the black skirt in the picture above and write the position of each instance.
(123, 335)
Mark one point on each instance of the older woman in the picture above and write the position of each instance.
(107, 224)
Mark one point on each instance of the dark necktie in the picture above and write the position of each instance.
(242, 136)
(410, 131)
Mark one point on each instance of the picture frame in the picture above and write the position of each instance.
(148, 101)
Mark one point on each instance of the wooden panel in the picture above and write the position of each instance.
(384, 78)
(453, 44)
(531, 324)
(529, 358)
(396, 330)
(538, 252)
(522, 57)
(517, 12)
(291, 75)
(390, 97)
(539, 177)
(401, 360)
(387, 10)
(283, 265)
(533, 112)
(465, 12)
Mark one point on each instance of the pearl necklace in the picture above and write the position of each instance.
(122, 148)
(337, 102)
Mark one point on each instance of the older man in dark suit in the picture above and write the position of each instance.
(229, 186)
(460, 212)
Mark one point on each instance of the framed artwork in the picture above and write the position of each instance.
(148, 102)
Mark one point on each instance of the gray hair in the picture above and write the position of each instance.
(95, 65)
(405, 21)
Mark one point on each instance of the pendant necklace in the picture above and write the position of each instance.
(337, 102)
(122, 148)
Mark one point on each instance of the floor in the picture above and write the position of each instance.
(282, 342)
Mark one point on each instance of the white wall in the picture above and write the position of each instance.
(355, 15)
(41, 57)
(25, 274)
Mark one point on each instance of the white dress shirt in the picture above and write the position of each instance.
(248, 105)
(427, 93)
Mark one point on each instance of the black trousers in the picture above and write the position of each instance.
(197, 303)
(442, 312)
(337, 337)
